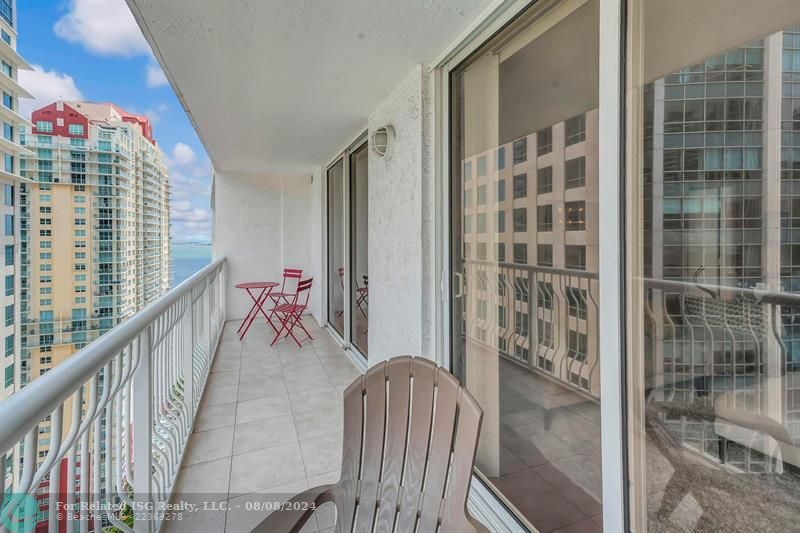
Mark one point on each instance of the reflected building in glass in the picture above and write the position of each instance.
(530, 243)
(720, 360)
(721, 235)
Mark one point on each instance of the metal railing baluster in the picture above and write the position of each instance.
(132, 396)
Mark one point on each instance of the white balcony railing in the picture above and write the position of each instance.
(107, 428)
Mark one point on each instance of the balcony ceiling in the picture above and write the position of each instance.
(277, 87)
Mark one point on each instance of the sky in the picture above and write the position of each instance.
(93, 50)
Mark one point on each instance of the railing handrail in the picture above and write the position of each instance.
(757, 295)
(28, 406)
(535, 268)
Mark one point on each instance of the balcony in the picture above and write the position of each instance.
(451, 178)
(237, 422)
(269, 426)
(233, 417)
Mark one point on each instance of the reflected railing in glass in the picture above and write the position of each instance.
(544, 319)
(722, 398)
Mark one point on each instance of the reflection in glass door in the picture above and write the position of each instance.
(336, 265)
(525, 301)
(359, 273)
(714, 371)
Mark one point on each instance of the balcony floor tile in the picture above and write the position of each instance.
(210, 478)
(269, 426)
(322, 454)
(215, 416)
(260, 408)
(260, 469)
(261, 434)
(209, 445)
(253, 390)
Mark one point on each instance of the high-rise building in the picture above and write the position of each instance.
(95, 227)
(10, 179)
(11, 149)
(721, 174)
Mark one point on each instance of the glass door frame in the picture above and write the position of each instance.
(358, 358)
(612, 68)
(341, 337)
(358, 145)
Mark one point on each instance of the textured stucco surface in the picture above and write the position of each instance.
(400, 225)
(261, 224)
(294, 79)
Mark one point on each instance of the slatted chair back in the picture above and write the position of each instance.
(410, 437)
(288, 274)
(303, 293)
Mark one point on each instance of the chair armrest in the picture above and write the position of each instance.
(297, 511)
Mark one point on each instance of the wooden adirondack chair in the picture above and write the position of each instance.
(408, 425)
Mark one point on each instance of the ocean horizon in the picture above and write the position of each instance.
(188, 258)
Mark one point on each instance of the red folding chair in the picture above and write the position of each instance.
(283, 296)
(290, 314)
(341, 282)
(362, 296)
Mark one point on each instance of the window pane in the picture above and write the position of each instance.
(544, 141)
(544, 218)
(520, 151)
(575, 130)
(521, 219)
(520, 186)
(575, 215)
(575, 172)
(544, 180)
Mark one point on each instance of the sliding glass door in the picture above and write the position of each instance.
(359, 241)
(348, 246)
(524, 234)
(714, 195)
(336, 254)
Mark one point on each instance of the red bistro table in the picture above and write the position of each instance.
(259, 299)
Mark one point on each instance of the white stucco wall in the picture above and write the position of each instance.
(401, 260)
(263, 224)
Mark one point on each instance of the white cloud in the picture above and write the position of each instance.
(182, 154)
(46, 86)
(107, 28)
(189, 222)
(155, 77)
(154, 113)
(190, 183)
(103, 27)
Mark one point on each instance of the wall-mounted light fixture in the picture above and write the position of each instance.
(382, 140)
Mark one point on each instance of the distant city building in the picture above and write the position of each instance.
(10, 179)
(94, 228)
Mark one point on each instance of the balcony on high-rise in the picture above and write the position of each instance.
(585, 210)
